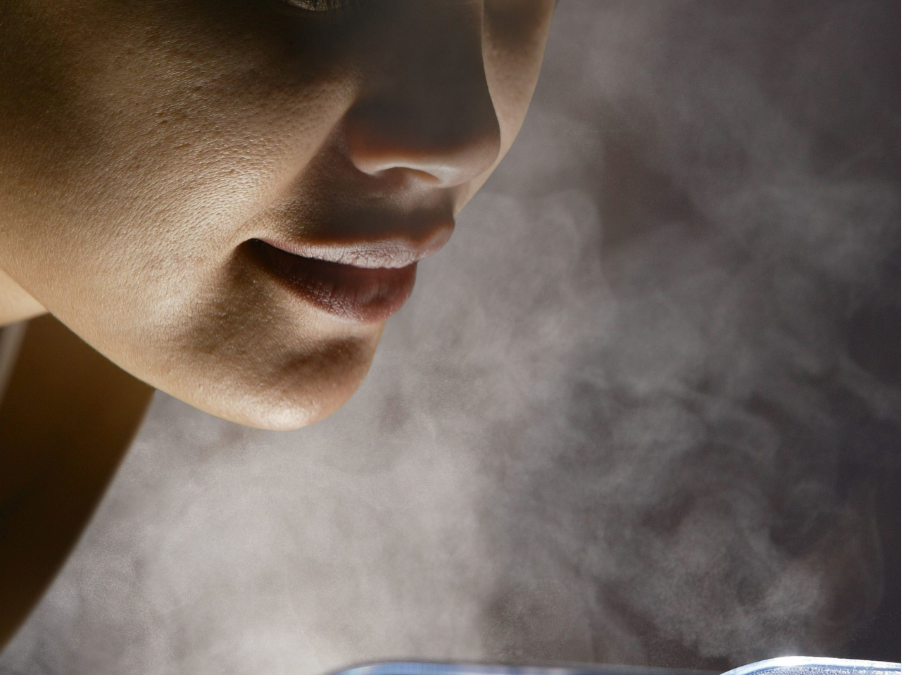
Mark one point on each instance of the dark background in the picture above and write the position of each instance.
(644, 409)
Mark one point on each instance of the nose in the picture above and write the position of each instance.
(429, 115)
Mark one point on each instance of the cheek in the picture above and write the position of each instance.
(174, 127)
(209, 122)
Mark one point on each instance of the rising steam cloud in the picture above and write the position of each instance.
(636, 412)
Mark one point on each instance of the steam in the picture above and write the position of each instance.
(619, 420)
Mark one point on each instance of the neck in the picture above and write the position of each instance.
(16, 304)
(66, 420)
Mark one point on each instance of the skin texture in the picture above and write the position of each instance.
(144, 144)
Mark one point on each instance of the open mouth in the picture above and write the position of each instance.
(354, 293)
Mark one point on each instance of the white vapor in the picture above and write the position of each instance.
(629, 414)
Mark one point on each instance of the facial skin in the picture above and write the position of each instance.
(147, 148)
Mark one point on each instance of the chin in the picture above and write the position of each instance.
(299, 394)
(281, 419)
(280, 411)
(287, 416)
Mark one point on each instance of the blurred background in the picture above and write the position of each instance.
(643, 409)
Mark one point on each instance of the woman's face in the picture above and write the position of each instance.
(228, 198)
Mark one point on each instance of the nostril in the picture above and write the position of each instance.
(442, 142)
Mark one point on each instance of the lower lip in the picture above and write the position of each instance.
(360, 295)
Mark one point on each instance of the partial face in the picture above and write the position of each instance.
(228, 198)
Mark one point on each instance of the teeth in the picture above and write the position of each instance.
(372, 258)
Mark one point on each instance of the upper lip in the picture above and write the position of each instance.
(388, 252)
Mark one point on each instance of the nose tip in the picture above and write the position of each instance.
(440, 143)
